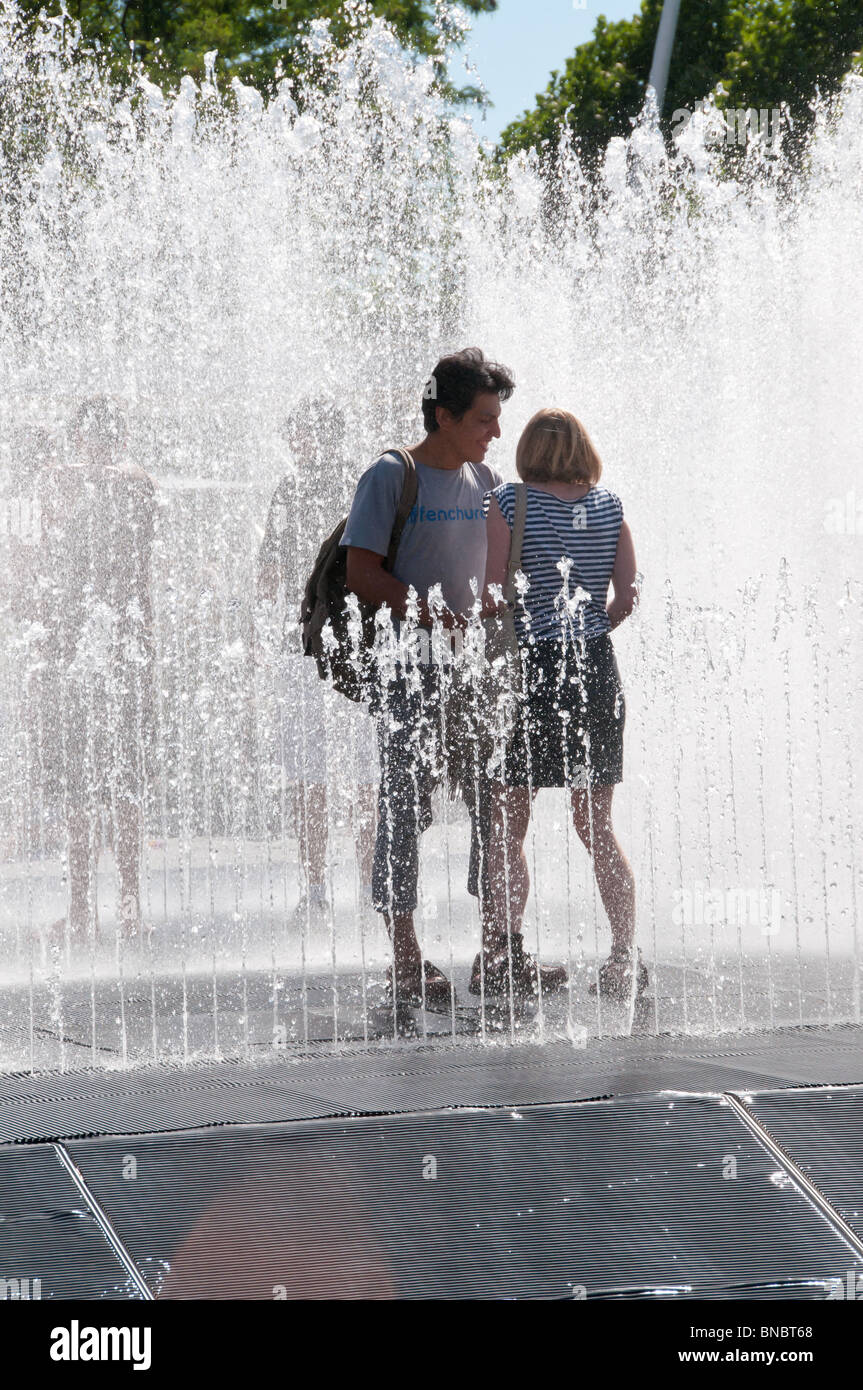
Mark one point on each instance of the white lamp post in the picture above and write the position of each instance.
(662, 50)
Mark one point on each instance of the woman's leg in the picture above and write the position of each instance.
(83, 852)
(508, 872)
(129, 835)
(310, 808)
(364, 817)
(591, 811)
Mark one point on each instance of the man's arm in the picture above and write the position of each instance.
(367, 578)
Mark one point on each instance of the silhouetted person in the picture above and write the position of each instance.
(97, 680)
(305, 505)
(32, 453)
(423, 734)
(570, 729)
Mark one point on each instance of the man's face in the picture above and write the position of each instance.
(479, 425)
(309, 445)
(99, 449)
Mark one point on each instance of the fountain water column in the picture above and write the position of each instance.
(439, 647)
(670, 647)
(782, 627)
(709, 264)
(709, 769)
(850, 803)
(814, 644)
(730, 678)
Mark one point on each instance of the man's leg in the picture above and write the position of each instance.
(477, 794)
(404, 812)
(360, 743)
(303, 752)
(82, 853)
(75, 772)
(124, 771)
(310, 809)
(363, 815)
(128, 850)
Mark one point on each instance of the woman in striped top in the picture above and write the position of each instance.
(570, 731)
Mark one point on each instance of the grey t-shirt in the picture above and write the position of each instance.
(444, 539)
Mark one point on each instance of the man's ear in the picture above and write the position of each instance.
(443, 416)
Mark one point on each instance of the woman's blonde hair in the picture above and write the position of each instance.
(556, 448)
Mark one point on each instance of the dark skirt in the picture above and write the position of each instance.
(570, 727)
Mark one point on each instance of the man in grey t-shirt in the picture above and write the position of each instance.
(443, 541)
(420, 734)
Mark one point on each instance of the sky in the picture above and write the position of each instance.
(515, 48)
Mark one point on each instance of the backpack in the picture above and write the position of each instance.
(323, 609)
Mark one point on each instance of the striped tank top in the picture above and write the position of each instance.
(585, 534)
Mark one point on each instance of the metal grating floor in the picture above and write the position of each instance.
(721, 1168)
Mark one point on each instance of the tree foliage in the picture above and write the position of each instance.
(762, 52)
(255, 42)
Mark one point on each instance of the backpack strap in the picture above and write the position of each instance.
(406, 503)
(517, 541)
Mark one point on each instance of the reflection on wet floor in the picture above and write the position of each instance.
(147, 1015)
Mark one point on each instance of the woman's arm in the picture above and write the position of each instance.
(623, 579)
(499, 541)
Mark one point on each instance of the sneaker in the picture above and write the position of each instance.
(439, 993)
(615, 978)
(528, 976)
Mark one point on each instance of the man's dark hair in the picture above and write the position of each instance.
(100, 418)
(318, 416)
(458, 379)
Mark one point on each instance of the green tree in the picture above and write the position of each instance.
(763, 52)
(787, 48)
(170, 37)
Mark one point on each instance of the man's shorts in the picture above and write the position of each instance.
(423, 741)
